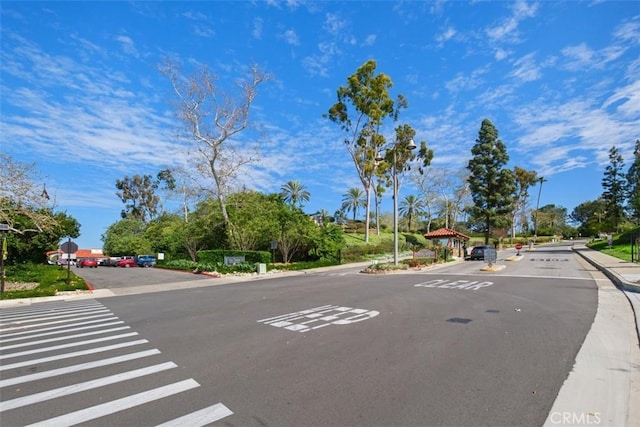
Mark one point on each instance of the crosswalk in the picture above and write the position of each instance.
(65, 363)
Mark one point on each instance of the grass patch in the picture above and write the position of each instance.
(44, 280)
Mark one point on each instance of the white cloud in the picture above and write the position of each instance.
(447, 35)
(127, 45)
(525, 69)
(370, 40)
(521, 9)
(257, 28)
(334, 25)
(290, 37)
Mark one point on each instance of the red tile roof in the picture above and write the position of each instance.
(444, 233)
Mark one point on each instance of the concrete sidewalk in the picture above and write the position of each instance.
(603, 387)
(624, 274)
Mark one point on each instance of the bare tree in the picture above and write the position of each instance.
(211, 118)
(22, 197)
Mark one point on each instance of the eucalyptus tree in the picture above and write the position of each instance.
(403, 152)
(633, 185)
(524, 180)
(139, 194)
(212, 118)
(491, 184)
(294, 193)
(353, 200)
(613, 183)
(363, 105)
(22, 195)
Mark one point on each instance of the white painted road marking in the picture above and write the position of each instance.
(76, 368)
(199, 418)
(84, 386)
(4, 367)
(118, 405)
(454, 284)
(319, 317)
(38, 326)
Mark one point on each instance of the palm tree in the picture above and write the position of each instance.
(353, 200)
(410, 207)
(294, 192)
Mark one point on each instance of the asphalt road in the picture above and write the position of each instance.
(453, 346)
(121, 277)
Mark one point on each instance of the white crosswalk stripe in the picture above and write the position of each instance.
(40, 337)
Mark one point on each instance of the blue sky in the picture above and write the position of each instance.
(82, 97)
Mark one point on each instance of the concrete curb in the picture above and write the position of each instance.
(619, 280)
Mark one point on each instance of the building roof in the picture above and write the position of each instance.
(443, 233)
(90, 253)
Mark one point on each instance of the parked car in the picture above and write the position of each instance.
(146, 261)
(127, 262)
(87, 262)
(477, 252)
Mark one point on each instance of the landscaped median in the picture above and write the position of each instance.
(40, 280)
(412, 264)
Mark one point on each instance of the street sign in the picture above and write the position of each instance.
(518, 246)
(490, 255)
(69, 247)
(4, 227)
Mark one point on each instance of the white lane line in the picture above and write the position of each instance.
(49, 317)
(70, 355)
(78, 319)
(200, 418)
(59, 347)
(118, 405)
(84, 386)
(67, 337)
(65, 331)
(76, 368)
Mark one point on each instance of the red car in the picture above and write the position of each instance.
(126, 263)
(88, 262)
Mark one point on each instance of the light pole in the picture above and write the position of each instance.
(535, 224)
(411, 146)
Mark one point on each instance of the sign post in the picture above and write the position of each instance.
(518, 247)
(3, 254)
(490, 256)
(69, 248)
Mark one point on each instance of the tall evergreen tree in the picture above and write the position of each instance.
(491, 184)
(613, 183)
(633, 186)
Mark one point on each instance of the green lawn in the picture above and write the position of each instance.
(43, 280)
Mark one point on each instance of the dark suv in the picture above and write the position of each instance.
(477, 252)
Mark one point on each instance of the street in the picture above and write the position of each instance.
(449, 346)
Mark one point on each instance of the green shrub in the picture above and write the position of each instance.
(217, 256)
